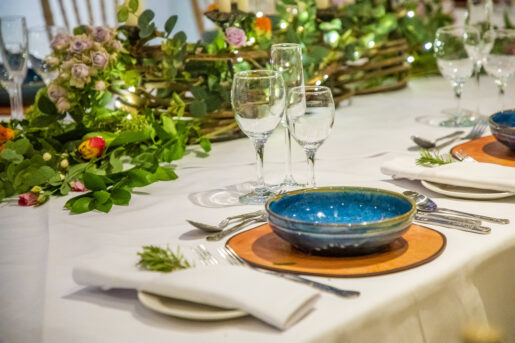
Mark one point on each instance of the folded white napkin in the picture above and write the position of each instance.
(466, 174)
(274, 300)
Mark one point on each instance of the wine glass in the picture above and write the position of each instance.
(13, 43)
(286, 58)
(310, 118)
(257, 99)
(479, 15)
(39, 49)
(500, 62)
(454, 47)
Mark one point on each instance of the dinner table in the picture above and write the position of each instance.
(470, 284)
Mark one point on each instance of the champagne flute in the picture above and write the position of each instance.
(500, 62)
(286, 58)
(310, 118)
(453, 47)
(257, 99)
(39, 49)
(13, 43)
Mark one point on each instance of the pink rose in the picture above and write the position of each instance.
(80, 71)
(99, 59)
(100, 86)
(236, 37)
(79, 44)
(116, 45)
(28, 199)
(55, 92)
(78, 186)
(62, 105)
(60, 42)
(101, 34)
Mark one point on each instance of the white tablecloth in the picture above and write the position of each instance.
(471, 282)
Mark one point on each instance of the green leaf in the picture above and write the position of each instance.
(145, 18)
(82, 205)
(197, 108)
(106, 99)
(121, 197)
(11, 156)
(145, 160)
(169, 126)
(165, 174)
(133, 5)
(76, 170)
(180, 37)
(65, 188)
(131, 78)
(140, 177)
(45, 105)
(101, 196)
(104, 206)
(114, 160)
(170, 24)
(132, 136)
(319, 52)
(123, 14)
(79, 30)
(94, 182)
(21, 146)
(205, 143)
(146, 31)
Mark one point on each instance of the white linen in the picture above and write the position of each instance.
(274, 300)
(40, 301)
(466, 174)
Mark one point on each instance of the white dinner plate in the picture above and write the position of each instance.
(465, 192)
(186, 309)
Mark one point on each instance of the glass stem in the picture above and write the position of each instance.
(502, 87)
(16, 101)
(311, 167)
(458, 87)
(260, 184)
(287, 138)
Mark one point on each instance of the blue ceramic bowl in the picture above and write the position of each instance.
(340, 220)
(502, 125)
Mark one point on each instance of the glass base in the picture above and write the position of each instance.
(256, 197)
(451, 118)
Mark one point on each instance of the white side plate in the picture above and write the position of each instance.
(465, 192)
(186, 309)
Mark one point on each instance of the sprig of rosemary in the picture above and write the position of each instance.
(429, 159)
(157, 259)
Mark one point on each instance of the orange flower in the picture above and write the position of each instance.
(264, 24)
(92, 147)
(6, 134)
(212, 7)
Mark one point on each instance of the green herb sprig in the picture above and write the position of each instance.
(157, 259)
(429, 159)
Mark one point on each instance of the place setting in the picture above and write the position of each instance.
(126, 165)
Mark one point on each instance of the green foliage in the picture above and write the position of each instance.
(431, 158)
(162, 260)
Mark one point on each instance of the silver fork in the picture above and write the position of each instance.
(230, 256)
(474, 133)
(206, 258)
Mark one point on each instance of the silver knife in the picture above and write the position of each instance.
(454, 225)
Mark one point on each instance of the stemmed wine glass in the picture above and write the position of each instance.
(454, 46)
(286, 58)
(39, 49)
(500, 62)
(13, 43)
(479, 15)
(310, 119)
(257, 99)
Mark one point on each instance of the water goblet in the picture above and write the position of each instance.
(39, 49)
(286, 58)
(258, 98)
(454, 47)
(500, 62)
(13, 44)
(310, 119)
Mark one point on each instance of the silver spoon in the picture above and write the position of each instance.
(425, 204)
(219, 235)
(427, 144)
(204, 227)
(227, 220)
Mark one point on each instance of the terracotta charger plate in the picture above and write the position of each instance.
(263, 248)
(488, 150)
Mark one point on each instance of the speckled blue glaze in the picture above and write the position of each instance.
(340, 220)
(502, 125)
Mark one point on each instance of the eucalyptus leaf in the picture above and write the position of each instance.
(145, 18)
(170, 24)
